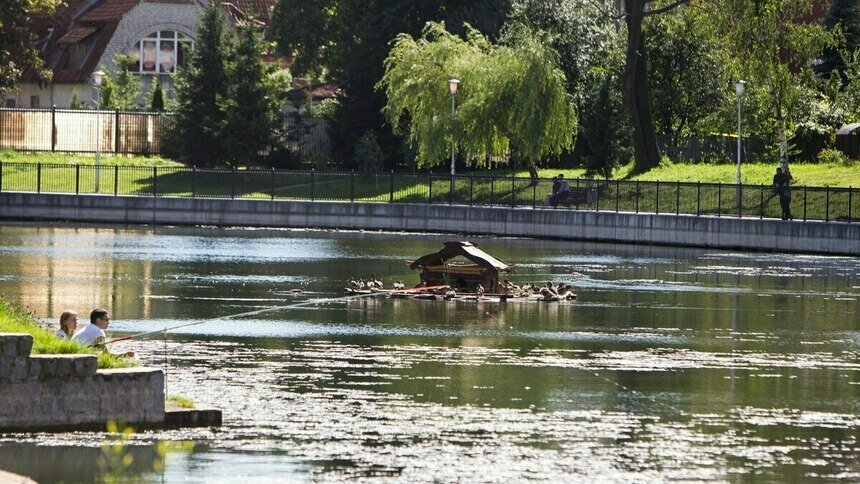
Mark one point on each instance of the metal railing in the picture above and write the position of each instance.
(713, 199)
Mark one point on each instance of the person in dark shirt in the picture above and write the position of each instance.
(556, 184)
(782, 187)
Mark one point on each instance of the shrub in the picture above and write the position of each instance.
(832, 156)
(75, 102)
(368, 153)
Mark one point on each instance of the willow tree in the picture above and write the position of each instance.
(512, 96)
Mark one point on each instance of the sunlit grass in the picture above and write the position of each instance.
(47, 157)
(805, 174)
(181, 401)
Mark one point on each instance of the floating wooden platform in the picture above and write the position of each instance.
(430, 294)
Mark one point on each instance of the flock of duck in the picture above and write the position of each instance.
(507, 291)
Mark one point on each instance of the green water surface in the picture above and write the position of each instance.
(674, 364)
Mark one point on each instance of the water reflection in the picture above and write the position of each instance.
(673, 364)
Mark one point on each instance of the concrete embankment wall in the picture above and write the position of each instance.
(682, 230)
(44, 392)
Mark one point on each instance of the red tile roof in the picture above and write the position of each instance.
(76, 34)
(107, 11)
(259, 10)
(82, 74)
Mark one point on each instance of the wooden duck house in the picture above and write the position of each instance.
(479, 267)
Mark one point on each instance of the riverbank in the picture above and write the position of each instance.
(726, 232)
(15, 320)
(47, 384)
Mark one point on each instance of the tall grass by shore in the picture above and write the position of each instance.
(14, 320)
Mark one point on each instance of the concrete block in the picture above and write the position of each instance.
(85, 366)
(35, 372)
(6, 366)
(21, 370)
(64, 367)
(15, 345)
(49, 367)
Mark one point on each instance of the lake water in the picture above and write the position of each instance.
(674, 364)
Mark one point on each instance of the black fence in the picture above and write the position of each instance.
(849, 143)
(714, 199)
(713, 149)
(130, 132)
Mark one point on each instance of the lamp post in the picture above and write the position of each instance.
(98, 77)
(739, 89)
(452, 86)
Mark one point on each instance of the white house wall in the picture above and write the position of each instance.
(50, 95)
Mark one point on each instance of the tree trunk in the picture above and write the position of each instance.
(533, 173)
(783, 138)
(637, 94)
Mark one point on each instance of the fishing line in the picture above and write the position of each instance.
(320, 301)
(309, 302)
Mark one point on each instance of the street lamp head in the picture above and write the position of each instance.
(98, 77)
(452, 85)
(739, 87)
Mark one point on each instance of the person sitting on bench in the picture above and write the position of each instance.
(563, 190)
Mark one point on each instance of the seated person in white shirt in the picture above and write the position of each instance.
(93, 333)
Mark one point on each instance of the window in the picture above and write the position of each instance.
(34, 101)
(10, 102)
(76, 54)
(160, 52)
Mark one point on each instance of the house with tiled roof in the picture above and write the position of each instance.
(84, 35)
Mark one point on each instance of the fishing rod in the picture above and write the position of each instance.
(309, 302)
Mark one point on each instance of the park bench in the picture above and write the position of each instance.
(574, 197)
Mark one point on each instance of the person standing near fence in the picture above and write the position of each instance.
(782, 187)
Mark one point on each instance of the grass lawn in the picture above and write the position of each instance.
(47, 157)
(679, 189)
(805, 174)
(13, 320)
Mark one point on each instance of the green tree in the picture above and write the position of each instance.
(849, 96)
(75, 102)
(589, 47)
(19, 50)
(368, 154)
(512, 95)
(686, 73)
(122, 88)
(105, 93)
(252, 102)
(842, 17)
(200, 91)
(156, 96)
(773, 48)
(300, 29)
(604, 130)
(352, 38)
